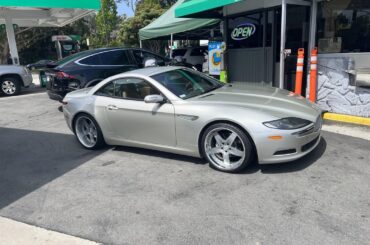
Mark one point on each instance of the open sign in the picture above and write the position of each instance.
(243, 31)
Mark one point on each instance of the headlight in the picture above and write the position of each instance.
(288, 123)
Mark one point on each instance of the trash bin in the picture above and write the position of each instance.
(42, 78)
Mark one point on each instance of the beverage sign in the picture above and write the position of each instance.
(243, 31)
(214, 57)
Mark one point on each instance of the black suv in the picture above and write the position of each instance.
(88, 68)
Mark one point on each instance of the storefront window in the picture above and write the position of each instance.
(343, 26)
(246, 31)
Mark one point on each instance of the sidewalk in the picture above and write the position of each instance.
(357, 131)
(17, 233)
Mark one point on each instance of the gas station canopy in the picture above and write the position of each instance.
(168, 25)
(41, 13)
(201, 8)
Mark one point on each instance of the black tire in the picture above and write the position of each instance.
(199, 67)
(99, 135)
(13, 82)
(241, 142)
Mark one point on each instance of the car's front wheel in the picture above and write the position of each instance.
(227, 148)
(10, 86)
(88, 132)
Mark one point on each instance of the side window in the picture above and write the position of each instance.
(128, 88)
(91, 60)
(198, 52)
(106, 90)
(116, 57)
(195, 52)
(138, 56)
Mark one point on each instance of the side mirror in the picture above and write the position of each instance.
(155, 98)
(150, 62)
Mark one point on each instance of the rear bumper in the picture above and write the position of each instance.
(27, 80)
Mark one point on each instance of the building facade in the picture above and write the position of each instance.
(263, 38)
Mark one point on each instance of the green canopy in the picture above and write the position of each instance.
(78, 4)
(192, 7)
(168, 24)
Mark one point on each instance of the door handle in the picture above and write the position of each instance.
(112, 107)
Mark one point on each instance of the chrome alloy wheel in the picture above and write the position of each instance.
(8, 87)
(86, 131)
(225, 148)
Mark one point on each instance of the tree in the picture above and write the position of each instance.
(145, 13)
(133, 3)
(106, 23)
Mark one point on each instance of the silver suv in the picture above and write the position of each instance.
(13, 78)
(191, 55)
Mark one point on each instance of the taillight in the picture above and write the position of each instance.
(63, 75)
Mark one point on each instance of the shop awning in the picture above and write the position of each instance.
(195, 8)
(168, 24)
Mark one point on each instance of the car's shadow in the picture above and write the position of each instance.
(30, 159)
(292, 166)
(160, 154)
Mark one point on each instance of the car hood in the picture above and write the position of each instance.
(274, 101)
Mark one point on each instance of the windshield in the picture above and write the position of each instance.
(73, 57)
(186, 83)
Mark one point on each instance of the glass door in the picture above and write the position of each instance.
(297, 36)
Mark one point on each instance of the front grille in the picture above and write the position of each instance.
(305, 131)
(310, 144)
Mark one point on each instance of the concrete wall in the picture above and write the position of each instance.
(335, 91)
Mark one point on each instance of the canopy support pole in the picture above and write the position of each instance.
(171, 51)
(141, 43)
(11, 40)
(282, 43)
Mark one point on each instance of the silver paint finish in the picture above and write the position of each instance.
(176, 126)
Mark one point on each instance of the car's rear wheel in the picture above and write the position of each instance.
(227, 148)
(88, 132)
(10, 86)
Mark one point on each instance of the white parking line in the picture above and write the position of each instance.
(17, 233)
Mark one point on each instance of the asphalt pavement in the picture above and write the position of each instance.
(122, 195)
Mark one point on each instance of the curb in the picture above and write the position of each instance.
(347, 119)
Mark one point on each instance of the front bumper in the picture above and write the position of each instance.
(292, 145)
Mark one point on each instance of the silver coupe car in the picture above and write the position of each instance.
(182, 111)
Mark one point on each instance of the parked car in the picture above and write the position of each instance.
(39, 64)
(13, 78)
(191, 55)
(88, 68)
(183, 111)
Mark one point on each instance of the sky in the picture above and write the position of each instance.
(123, 9)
